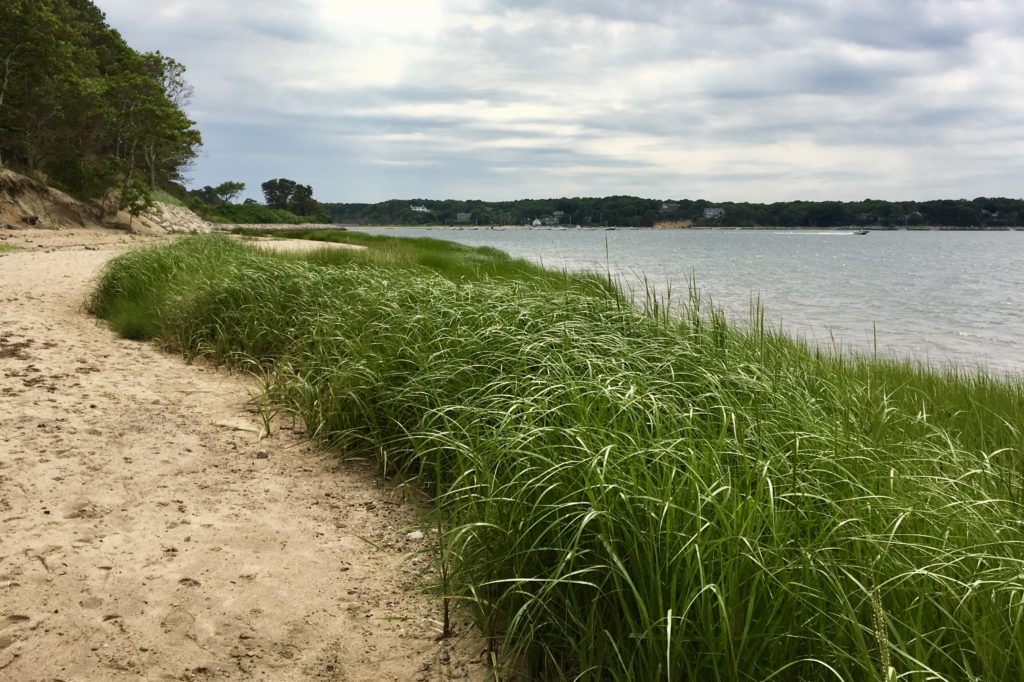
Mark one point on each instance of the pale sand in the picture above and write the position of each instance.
(140, 536)
(292, 245)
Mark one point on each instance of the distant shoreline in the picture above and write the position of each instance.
(702, 228)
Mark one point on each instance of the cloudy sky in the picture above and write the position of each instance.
(744, 100)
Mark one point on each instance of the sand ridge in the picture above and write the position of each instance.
(148, 532)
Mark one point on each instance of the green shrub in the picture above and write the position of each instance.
(252, 214)
(166, 198)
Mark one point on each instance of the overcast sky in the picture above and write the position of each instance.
(745, 100)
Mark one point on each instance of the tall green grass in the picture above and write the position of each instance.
(624, 494)
(456, 262)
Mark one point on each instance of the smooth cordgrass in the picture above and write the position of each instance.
(626, 493)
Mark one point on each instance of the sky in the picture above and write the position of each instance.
(725, 100)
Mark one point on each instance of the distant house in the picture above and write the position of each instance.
(536, 222)
(549, 220)
(558, 214)
(463, 217)
(419, 209)
(669, 208)
(713, 213)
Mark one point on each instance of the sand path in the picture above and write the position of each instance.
(144, 536)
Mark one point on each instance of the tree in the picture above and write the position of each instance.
(135, 197)
(170, 141)
(227, 191)
(170, 74)
(302, 201)
(224, 193)
(8, 63)
(278, 193)
(289, 195)
(82, 108)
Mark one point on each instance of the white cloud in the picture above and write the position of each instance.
(732, 100)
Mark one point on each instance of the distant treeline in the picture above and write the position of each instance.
(980, 213)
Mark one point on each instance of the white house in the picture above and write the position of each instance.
(419, 209)
(713, 212)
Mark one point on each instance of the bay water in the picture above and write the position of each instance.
(940, 297)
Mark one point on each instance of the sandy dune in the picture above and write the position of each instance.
(147, 532)
(293, 245)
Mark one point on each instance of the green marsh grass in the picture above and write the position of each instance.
(455, 262)
(625, 493)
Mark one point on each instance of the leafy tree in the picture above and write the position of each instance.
(227, 191)
(224, 193)
(302, 201)
(278, 193)
(288, 195)
(82, 108)
(135, 197)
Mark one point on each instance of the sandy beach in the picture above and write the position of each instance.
(150, 532)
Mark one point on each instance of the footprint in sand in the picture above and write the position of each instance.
(179, 622)
(84, 509)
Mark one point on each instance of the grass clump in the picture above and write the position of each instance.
(7, 248)
(626, 495)
(456, 262)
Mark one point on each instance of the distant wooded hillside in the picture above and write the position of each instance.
(980, 213)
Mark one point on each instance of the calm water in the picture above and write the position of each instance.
(941, 297)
